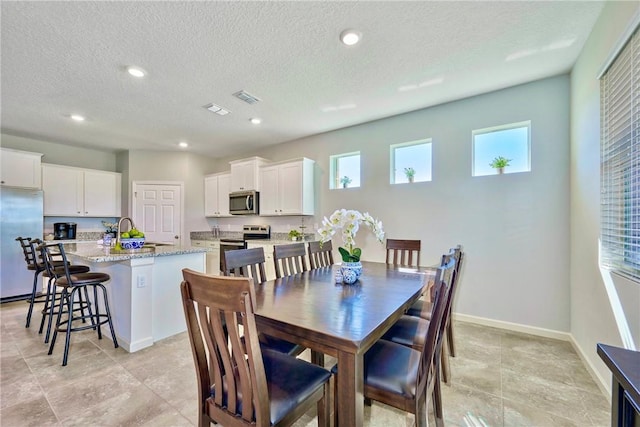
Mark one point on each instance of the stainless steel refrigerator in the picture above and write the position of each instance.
(21, 214)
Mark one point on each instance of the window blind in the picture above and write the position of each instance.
(620, 161)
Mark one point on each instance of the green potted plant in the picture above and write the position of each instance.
(499, 163)
(345, 181)
(294, 235)
(410, 173)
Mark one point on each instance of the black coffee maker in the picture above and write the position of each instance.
(64, 230)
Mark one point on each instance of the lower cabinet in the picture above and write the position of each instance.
(213, 255)
(269, 266)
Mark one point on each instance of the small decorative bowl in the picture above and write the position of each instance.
(132, 243)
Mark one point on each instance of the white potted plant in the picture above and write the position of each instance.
(410, 173)
(294, 235)
(345, 181)
(499, 163)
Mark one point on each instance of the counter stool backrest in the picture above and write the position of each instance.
(320, 254)
(245, 263)
(289, 259)
(403, 252)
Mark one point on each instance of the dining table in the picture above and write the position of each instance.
(340, 320)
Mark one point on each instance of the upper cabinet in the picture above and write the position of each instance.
(245, 174)
(287, 188)
(70, 191)
(20, 168)
(216, 194)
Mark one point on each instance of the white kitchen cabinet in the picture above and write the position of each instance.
(70, 191)
(269, 266)
(287, 188)
(244, 174)
(20, 168)
(213, 255)
(216, 194)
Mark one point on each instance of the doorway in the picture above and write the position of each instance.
(157, 211)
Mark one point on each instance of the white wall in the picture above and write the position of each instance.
(514, 227)
(59, 154)
(172, 166)
(592, 318)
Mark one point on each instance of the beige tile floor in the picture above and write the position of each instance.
(499, 379)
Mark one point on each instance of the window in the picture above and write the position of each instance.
(620, 161)
(511, 142)
(345, 170)
(411, 157)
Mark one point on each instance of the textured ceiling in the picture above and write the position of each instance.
(60, 58)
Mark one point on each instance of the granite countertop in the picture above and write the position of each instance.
(276, 238)
(92, 252)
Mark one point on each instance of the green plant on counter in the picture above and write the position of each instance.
(294, 234)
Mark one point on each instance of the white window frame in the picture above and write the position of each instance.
(392, 157)
(335, 174)
(509, 126)
(620, 159)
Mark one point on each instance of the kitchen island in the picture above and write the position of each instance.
(144, 290)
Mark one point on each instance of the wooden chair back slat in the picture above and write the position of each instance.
(289, 259)
(320, 254)
(246, 263)
(403, 252)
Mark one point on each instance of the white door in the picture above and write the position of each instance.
(157, 211)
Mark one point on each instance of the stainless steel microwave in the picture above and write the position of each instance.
(244, 203)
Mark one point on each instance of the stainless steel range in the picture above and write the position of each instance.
(249, 232)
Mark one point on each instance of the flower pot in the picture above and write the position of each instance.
(500, 171)
(411, 178)
(351, 271)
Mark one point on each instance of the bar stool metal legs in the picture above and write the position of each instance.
(96, 319)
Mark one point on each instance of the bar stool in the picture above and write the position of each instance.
(49, 309)
(74, 284)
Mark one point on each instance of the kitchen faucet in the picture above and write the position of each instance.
(120, 225)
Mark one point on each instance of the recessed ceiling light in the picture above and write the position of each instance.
(350, 37)
(255, 120)
(183, 144)
(136, 72)
(217, 109)
(77, 117)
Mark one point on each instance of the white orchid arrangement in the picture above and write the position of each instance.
(349, 222)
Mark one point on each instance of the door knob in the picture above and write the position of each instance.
(176, 237)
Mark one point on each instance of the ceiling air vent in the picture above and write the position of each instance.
(244, 96)
(217, 109)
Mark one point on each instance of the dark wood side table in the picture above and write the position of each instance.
(625, 390)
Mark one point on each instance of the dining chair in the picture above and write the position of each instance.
(289, 259)
(240, 383)
(422, 308)
(249, 263)
(245, 263)
(403, 377)
(403, 252)
(320, 254)
(408, 329)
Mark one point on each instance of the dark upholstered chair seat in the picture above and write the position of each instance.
(392, 367)
(289, 381)
(421, 308)
(83, 279)
(268, 342)
(409, 331)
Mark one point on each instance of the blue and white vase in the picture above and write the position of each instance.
(349, 270)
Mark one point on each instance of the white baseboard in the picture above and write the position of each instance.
(516, 327)
(603, 385)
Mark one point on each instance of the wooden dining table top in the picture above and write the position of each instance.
(339, 319)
